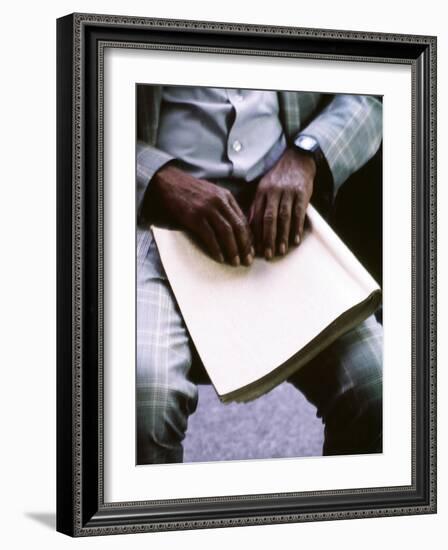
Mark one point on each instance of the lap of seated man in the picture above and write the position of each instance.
(221, 167)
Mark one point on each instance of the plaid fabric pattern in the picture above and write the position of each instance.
(149, 160)
(347, 127)
(164, 395)
(344, 383)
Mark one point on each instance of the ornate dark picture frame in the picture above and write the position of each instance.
(81, 509)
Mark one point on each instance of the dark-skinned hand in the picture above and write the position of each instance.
(205, 210)
(277, 214)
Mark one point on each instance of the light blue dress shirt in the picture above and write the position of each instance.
(218, 133)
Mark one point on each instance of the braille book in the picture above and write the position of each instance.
(254, 326)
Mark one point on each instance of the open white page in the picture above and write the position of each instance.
(247, 321)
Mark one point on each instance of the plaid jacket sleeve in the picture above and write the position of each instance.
(349, 131)
(149, 159)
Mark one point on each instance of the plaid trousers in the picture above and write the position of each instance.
(344, 381)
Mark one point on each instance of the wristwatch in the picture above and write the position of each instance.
(310, 146)
(323, 182)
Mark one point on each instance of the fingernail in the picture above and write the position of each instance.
(236, 261)
(221, 259)
(282, 249)
(268, 253)
(252, 251)
(297, 239)
(249, 259)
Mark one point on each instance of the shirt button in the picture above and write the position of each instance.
(237, 146)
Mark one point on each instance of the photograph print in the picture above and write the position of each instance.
(258, 274)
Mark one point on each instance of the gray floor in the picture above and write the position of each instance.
(279, 424)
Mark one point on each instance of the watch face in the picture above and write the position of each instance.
(307, 143)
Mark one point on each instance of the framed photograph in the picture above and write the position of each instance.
(246, 274)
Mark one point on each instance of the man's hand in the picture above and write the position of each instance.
(205, 210)
(277, 214)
